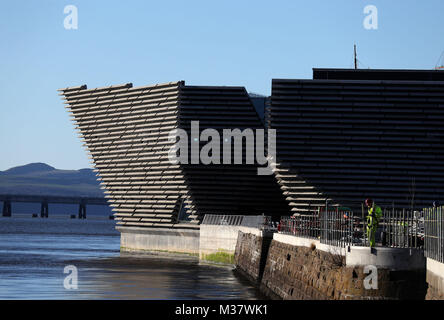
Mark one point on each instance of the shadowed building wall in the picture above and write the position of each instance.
(347, 140)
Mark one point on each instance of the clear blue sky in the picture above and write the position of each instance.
(202, 42)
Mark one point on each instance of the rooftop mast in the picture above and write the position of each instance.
(356, 59)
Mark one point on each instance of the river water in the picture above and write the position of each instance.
(34, 253)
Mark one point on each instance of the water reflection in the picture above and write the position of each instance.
(34, 252)
(160, 277)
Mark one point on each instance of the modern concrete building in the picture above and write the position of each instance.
(159, 204)
(347, 135)
(343, 136)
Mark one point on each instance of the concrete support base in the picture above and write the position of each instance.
(386, 258)
(435, 280)
(159, 239)
(218, 243)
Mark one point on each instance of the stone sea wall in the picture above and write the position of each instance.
(310, 270)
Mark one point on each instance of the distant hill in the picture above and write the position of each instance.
(29, 169)
(42, 179)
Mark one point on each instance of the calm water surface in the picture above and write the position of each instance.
(35, 251)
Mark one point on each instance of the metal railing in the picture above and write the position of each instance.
(260, 222)
(341, 228)
(222, 220)
(402, 228)
(398, 228)
(306, 226)
(434, 233)
(334, 227)
(337, 227)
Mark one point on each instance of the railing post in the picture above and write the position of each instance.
(440, 244)
(363, 225)
(403, 227)
(425, 231)
(327, 239)
(338, 228)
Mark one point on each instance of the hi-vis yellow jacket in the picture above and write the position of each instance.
(374, 215)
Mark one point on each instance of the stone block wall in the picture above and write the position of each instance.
(307, 269)
(250, 255)
(297, 272)
(300, 273)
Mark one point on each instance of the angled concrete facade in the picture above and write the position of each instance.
(126, 132)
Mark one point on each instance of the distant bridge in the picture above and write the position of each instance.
(45, 200)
